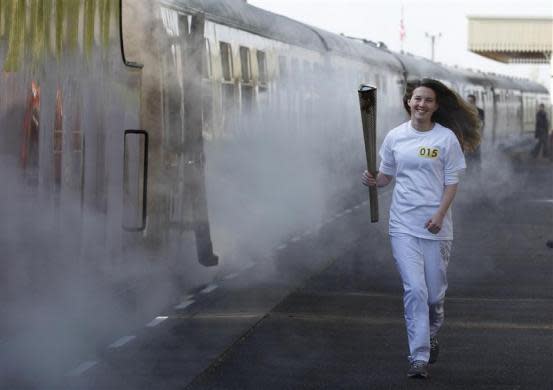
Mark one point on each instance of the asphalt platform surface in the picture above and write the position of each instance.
(325, 311)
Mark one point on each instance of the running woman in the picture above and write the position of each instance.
(425, 156)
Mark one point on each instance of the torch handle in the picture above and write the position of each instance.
(367, 102)
(373, 200)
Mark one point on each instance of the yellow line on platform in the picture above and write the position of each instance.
(218, 316)
(399, 321)
(447, 299)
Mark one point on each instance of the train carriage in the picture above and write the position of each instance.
(141, 137)
(95, 173)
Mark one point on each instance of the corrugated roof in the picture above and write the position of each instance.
(511, 39)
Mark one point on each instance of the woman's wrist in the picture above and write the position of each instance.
(382, 180)
(441, 214)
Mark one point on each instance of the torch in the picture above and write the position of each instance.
(367, 102)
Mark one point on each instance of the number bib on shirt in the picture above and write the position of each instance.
(429, 152)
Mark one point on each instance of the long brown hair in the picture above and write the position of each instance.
(453, 112)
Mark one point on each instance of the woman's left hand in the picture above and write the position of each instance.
(434, 224)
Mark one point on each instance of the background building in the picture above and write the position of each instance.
(512, 40)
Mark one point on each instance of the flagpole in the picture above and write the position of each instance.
(401, 28)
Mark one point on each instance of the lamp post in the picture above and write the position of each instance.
(433, 42)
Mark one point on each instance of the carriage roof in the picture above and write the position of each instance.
(240, 14)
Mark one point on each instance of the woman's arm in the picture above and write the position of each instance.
(434, 224)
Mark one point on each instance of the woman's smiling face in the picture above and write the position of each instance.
(423, 104)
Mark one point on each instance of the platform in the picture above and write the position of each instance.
(324, 310)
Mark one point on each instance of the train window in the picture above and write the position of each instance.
(226, 60)
(170, 20)
(172, 79)
(262, 67)
(131, 49)
(207, 66)
(246, 64)
(184, 23)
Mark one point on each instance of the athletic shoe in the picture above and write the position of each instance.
(418, 369)
(434, 350)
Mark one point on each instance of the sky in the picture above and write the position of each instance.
(379, 20)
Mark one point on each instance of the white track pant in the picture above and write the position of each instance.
(422, 265)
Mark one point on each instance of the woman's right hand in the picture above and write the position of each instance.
(368, 179)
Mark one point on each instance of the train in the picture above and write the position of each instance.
(148, 144)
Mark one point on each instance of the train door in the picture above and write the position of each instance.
(193, 157)
(171, 220)
(183, 216)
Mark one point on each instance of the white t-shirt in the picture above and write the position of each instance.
(423, 162)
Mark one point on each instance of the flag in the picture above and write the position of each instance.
(402, 33)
